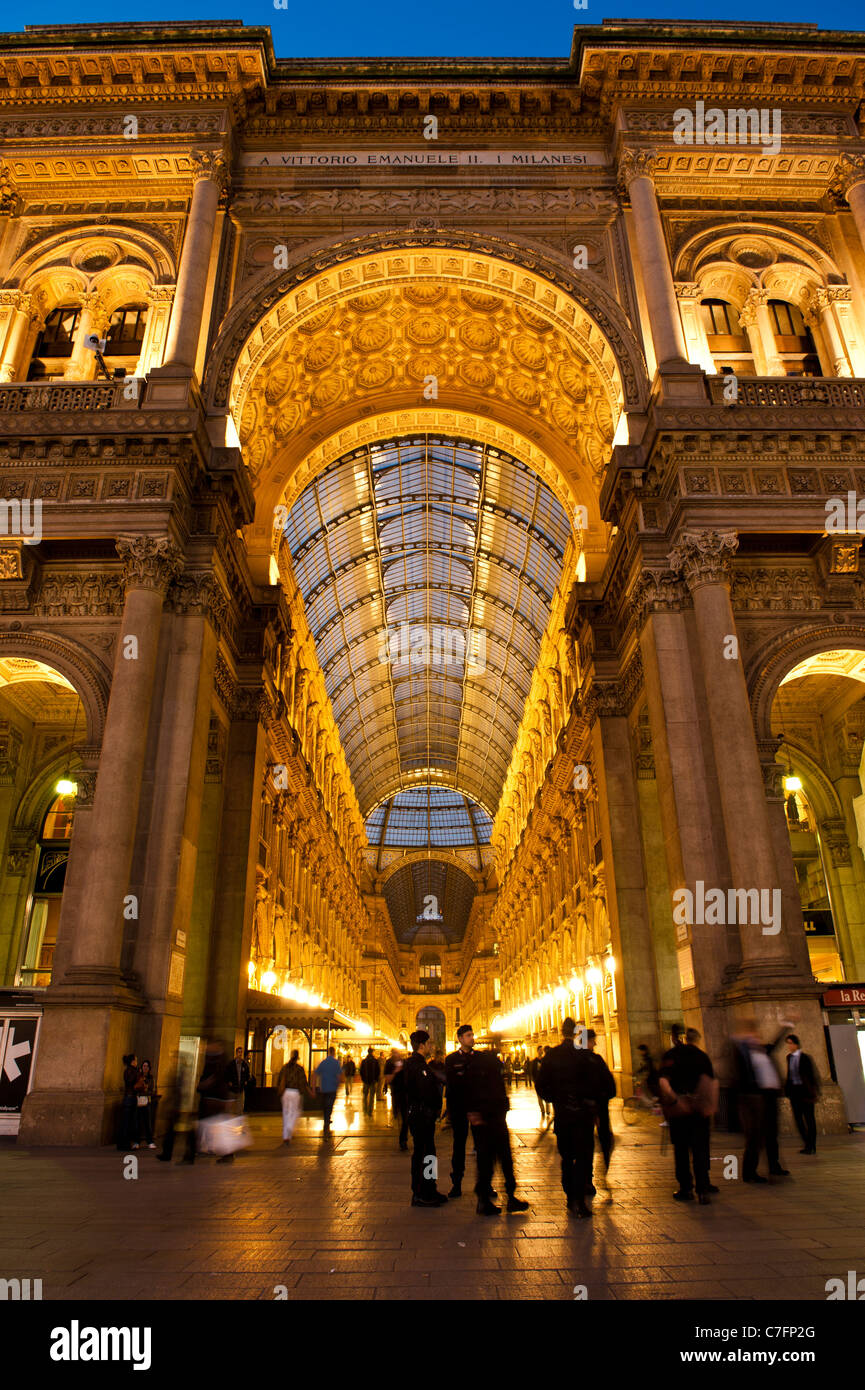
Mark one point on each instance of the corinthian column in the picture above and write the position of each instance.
(20, 305)
(850, 184)
(757, 323)
(821, 307)
(210, 175)
(704, 560)
(650, 251)
(151, 562)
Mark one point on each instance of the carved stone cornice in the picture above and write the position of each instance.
(656, 592)
(160, 294)
(688, 289)
(849, 171)
(150, 562)
(833, 833)
(704, 556)
(772, 770)
(223, 682)
(604, 700)
(250, 706)
(10, 201)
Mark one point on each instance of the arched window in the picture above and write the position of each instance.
(430, 972)
(793, 340)
(728, 343)
(55, 343)
(40, 936)
(126, 332)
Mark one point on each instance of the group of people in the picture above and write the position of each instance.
(136, 1108)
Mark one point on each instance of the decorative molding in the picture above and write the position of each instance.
(833, 833)
(656, 592)
(199, 594)
(704, 556)
(150, 562)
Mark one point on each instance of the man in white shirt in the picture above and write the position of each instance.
(758, 1087)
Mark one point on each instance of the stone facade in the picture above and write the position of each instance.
(287, 261)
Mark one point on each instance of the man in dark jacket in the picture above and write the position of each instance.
(369, 1074)
(394, 1079)
(682, 1066)
(488, 1105)
(606, 1084)
(237, 1079)
(569, 1080)
(423, 1093)
(456, 1070)
(802, 1089)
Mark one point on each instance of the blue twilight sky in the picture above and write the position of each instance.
(433, 28)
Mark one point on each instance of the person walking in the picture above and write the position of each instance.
(688, 1094)
(379, 1090)
(758, 1087)
(369, 1075)
(456, 1068)
(215, 1099)
(394, 1073)
(328, 1074)
(423, 1093)
(237, 1079)
(802, 1089)
(606, 1090)
(488, 1105)
(127, 1131)
(534, 1065)
(144, 1088)
(568, 1081)
(349, 1072)
(291, 1087)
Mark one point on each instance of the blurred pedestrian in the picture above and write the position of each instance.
(291, 1087)
(758, 1087)
(215, 1098)
(379, 1090)
(349, 1072)
(606, 1090)
(144, 1088)
(369, 1075)
(456, 1067)
(237, 1079)
(328, 1074)
(534, 1064)
(395, 1080)
(802, 1089)
(127, 1132)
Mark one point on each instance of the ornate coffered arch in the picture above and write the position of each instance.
(730, 260)
(772, 662)
(543, 282)
(90, 680)
(112, 259)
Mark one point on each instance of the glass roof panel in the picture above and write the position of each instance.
(427, 565)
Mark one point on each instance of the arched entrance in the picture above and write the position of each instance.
(433, 1020)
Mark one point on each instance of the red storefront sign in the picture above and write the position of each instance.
(844, 994)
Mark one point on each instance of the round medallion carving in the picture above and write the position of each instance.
(372, 336)
(526, 391)
(482, 303)
(317, 320)
(533, 320)
(278, 382)
(477, 374)
(528, 353)
(327, 392)
(374, 374)
(604, 417)
(564, 417)
(287, 420)
(424, 365)
(425, 292)
(479, 335)
(573, 378)
(321, 354)
(426, 329)
(370, 303)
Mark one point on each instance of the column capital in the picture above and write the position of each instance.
(10, 201)
(211, 165)
(688, 289)
(160, 294)
(753, 301)
(199, 594)
(656, 591)
(150, 562)
(99, 313)
(636, 164)
(22, 300)
(704, 556)
(849, 171)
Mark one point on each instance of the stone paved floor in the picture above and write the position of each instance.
(335, 1220)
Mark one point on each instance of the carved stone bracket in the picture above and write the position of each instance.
(704, 556)
(199, 594)
(834, 836)
(773, 771)
(656, 592)
(150, 562)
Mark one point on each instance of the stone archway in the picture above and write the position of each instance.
(432, 1018)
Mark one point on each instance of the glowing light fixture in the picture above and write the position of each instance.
(593, 975)
(65, 787)
(268, 980)
(792, 784)
(610, 963)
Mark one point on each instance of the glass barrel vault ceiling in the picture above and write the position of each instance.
(438, 536)
(429, 903)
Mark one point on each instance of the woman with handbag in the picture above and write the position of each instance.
(292, 1086)
(688, 1093)
(144, 1088)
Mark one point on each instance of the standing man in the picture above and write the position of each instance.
(423, 1093)
(349, 1071)
(379, 1090)
(488, 1106)
(681, 1072)
(328, 1074)
(533, 1066)
(456, 1070)
(237, 1079)
(369, 1074)
(606, 1085)
(802, 1089)
(568, 1081)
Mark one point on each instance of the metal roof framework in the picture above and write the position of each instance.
(427, 566)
